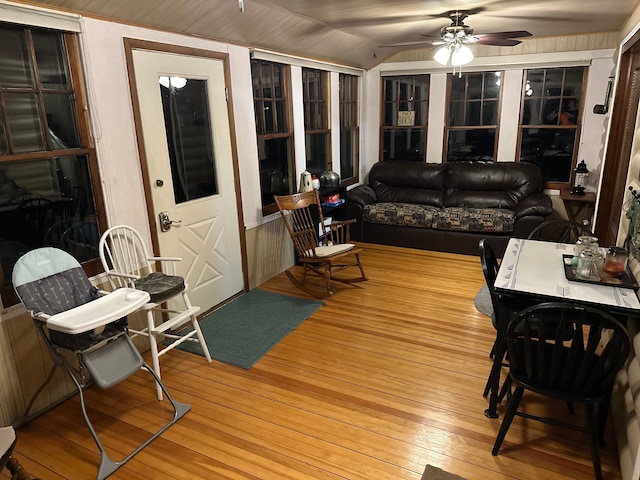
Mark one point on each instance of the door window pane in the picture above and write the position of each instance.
(185, 105)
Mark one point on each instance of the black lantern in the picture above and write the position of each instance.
(580, 179)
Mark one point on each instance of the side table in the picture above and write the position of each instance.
(578, 207)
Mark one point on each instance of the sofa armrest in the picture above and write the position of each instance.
(357, 199)
(362, 195)
(537, 204)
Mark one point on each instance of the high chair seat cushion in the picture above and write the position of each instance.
(159, 286)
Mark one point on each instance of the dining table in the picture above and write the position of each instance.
(533, 271)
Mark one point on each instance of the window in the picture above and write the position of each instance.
(349, 129)
(550, 120)
(275, 136)
(472, 122)
(316, 121)
(49, 181)
(404, 127)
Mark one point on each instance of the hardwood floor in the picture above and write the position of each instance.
(385, 378)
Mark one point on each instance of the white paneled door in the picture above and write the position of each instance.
(187, 143)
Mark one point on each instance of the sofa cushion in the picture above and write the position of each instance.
(490, 185)
(408, 182)
(465, 219)
(405, 214)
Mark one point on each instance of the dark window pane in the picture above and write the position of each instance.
(490, 112)
(458, 88)
(573, 82)
(473, 113)
(553, 82)
(421, 113)
(23, 116)
(457, 114)
(570, 111)
(281, 116)
(551, 149)
(268, 117)
(474, 86)
(4, 147)
(275, 176)
(16, 66)
(348, 152)
(61, 120)
(551, 112)
(403, 144)
(471, 144)
(189, 139)
(389, 117)
(532, 111)
(47, 203)
(317, 150)
(51, 67)
(492, 85)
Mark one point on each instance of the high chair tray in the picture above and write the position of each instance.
(99, 312)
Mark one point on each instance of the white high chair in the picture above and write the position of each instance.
(127, 263)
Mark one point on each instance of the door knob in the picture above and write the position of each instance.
(166, 222)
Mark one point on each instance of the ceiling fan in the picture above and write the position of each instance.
(458, 33)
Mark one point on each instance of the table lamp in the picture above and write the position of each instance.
(580, 179)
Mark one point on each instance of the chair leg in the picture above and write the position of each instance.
(153, 344)
(327, 278)
(196, 327)
(508, 418)
(17, 471)
(360, 267)
(594, 438)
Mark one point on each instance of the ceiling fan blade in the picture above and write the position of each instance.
(502, 42)
(513, 34)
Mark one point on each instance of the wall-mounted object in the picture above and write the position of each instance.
(604, 108)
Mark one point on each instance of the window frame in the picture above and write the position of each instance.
(577, 127)
(86, 147)
(466, 101)
(396, 101)
(268, 209)
(316, 120)
(349, 105)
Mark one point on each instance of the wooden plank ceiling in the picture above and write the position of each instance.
(351, 32)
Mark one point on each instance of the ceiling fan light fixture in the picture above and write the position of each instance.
(442, 55)
(461, 56)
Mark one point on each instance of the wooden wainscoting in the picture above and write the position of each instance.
(385, 378)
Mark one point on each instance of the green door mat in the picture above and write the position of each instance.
(241, 332)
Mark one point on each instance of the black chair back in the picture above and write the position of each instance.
(580, 367)
(563, 231)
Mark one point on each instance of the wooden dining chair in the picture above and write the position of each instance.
(579, 369)
(501, 313)
(321, 249)
(7, 459)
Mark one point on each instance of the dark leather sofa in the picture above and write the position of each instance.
(448, 207)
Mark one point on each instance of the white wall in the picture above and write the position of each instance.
(113, 123)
